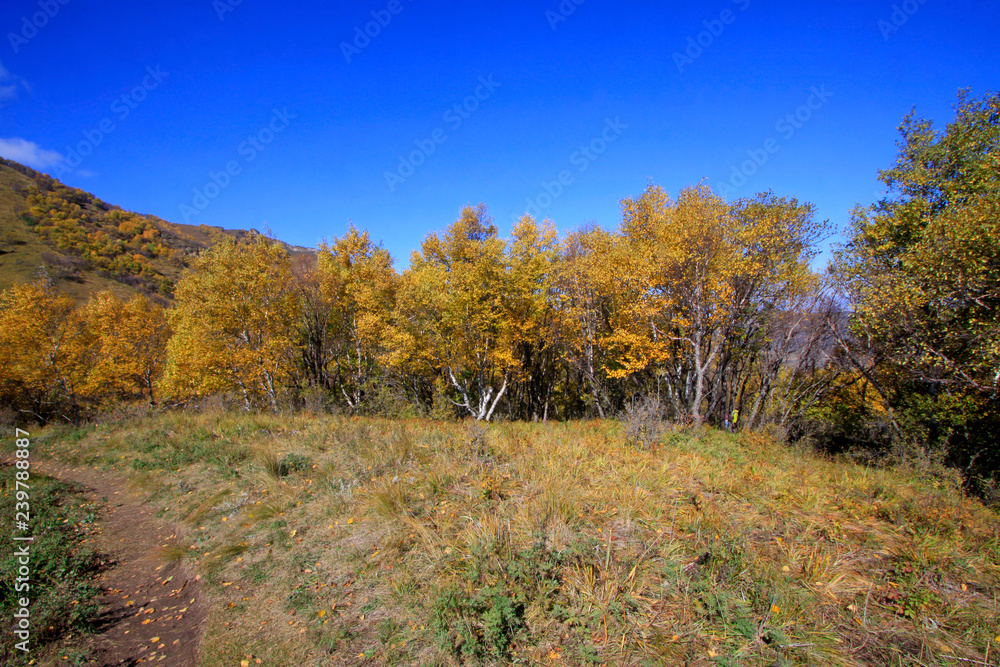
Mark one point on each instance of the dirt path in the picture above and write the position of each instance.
(151, 610)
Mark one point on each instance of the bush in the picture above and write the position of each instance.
(316, 400)
(482, 627)
(389, 401)
(123, 412)
(644, 423)
(290, 463)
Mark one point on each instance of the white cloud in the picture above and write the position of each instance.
(9, 85)
(29, 153)
(8, 91)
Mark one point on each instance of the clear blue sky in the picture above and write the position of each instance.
(278, 72)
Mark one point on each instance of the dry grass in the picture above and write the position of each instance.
(402, 543)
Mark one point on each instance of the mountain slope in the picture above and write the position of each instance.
(86, 245)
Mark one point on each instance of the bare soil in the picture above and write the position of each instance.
(152, 609)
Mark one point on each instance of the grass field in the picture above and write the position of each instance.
(62, 591)
(324, 540)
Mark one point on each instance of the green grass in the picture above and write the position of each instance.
(62, 594)
(345, 540)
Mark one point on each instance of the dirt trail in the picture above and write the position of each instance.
(151, 610)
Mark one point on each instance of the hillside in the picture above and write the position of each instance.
(86, 245)
(344, 541)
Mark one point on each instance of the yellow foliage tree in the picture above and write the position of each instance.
(357, 282)
(583, 297)
(695, 280)
(234, 324)
(451, 316)
(129, 345)
(45, 352)
(530, 311)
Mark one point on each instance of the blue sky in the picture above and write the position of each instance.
(286, 116)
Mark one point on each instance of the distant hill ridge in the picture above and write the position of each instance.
(86, 245)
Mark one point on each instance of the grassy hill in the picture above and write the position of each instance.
(86, 245)
(325, 540)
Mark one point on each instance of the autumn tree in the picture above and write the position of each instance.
(782, 324)
(451, 315)
(698, 280)
(234, 324)
(45, 353)
(315, 314)
(584, 288)
(530, 311)
(923, 266)
(357, 285)
(129, 341)
(922, 272)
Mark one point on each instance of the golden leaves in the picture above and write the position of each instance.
(234, 323)
(106, 350)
